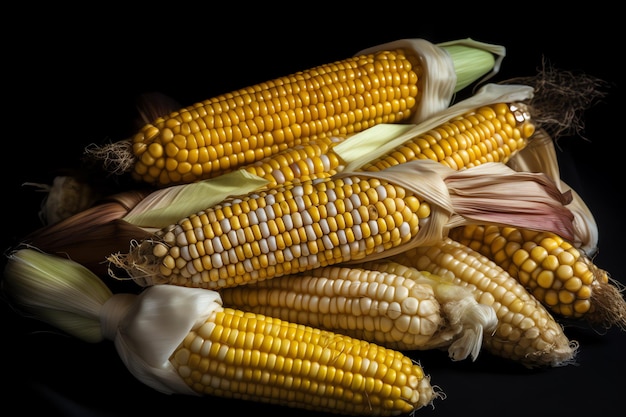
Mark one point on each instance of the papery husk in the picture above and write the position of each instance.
(540, 156)
(89, 236)
(145, 328)
(166, 206)
(481, 194)
(440, 68)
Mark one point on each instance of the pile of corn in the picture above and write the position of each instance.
(290, 241)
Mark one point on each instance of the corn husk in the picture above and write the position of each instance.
(540, 156)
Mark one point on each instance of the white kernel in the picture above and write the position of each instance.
(191, 269)
(225, 225)
(405, 230)
(232, 237)
(181, 239)
(252, 217)
(331, 195)
(261, 215)
(331, 209)
(355, 200)
(271, 258)
(265, 230)
(184, 253)
(310, 233)
(271, 243)
(297, 190)
(247, 265)
(300, 203)
(306, 218)
(217, 244)
(241, 236)
(324, 226)
(279, 178)
(216, 260)
(288, 222)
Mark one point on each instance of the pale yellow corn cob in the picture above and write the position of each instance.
(526, 331)
(381, 307)
(250, 356)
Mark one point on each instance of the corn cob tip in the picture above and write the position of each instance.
(561, 98)
(608, 306)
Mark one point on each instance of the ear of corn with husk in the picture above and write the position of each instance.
(183, 341)
(241, 127)
(347, 217)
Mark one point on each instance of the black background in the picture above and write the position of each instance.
(72, 78)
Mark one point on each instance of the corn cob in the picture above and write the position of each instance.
(182, 340)
(277, 231)
(384, 308)
(490, 133)
(526, 331)
(238, 128)
(552, 269)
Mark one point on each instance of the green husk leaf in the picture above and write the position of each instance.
(167, 206)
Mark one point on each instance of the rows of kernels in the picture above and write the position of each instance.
(526, 331)
(489, 134)
(301, 162)
(376, 306)
(552, 269)
(237, 354)
(235, 129)
(293, 228)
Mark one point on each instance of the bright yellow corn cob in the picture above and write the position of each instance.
(554, 271)
(490, 133)
(277, 231)
(526, 331)
(380, 307)
(250, 356)
(224, 352)
(223, 133)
